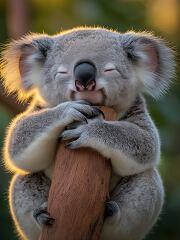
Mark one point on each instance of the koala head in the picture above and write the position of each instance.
(94, 64)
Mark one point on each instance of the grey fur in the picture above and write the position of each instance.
(103, 136)
(127, 65)
(22, 188)
(43, 126)
(140, 198)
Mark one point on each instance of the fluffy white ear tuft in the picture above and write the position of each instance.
(21, 64)
(152, 60)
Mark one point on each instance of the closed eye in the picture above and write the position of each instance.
(62, 72)
(109, 69)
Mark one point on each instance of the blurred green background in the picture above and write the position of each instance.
(159, 16)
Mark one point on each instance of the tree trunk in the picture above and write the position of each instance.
(79, 190)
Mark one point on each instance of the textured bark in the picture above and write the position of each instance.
(78, 193)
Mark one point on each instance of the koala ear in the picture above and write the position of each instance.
(153, 61)
(21, 64)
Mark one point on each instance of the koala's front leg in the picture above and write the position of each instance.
(131, 148)
(32, 137)
(134, 207)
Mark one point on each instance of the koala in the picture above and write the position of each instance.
(67, 77)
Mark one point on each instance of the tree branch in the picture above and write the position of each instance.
(79, 190)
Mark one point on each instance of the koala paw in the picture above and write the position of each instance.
(111, 209)
(42, 216)
(90, 135)
(81, 111)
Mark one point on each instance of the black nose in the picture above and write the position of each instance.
(85, 73)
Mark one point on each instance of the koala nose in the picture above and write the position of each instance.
(85, 76)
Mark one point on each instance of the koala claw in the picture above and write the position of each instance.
(42, 217)
(74, 144)
(90, 111)
(74, 125)
(111, 208)
(70, 134)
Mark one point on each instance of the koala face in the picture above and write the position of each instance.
(92, 66)
(98, 65)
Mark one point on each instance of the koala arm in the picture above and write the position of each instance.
(132, 143)
(32, 137)
(31, 140)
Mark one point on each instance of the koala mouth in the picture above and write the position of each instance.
(95, 97)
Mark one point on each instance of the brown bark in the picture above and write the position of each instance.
(78, 193)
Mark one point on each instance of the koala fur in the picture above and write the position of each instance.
(127, 66)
